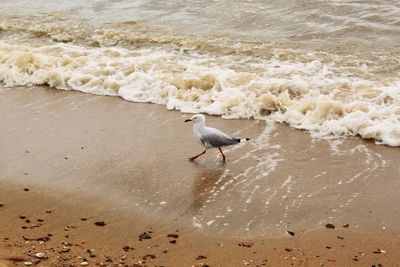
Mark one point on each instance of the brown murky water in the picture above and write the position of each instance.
(329, 67)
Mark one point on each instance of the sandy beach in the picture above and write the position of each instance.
(94, 167)
(94, 180)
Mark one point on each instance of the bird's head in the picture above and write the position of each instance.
(198, 118)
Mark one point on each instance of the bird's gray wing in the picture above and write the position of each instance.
(218, 140)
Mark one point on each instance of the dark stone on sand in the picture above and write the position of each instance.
(149, 256)
(143, 236)
(125, 248)
(1, 204)
(22, 217)
(377, 251)
(100, 223)
(329, 226)
(288, 249)
(201, 257)
(91, 253)
(173, 235)
(40, 220)
(247, 244)
(328, 247)
(172, 241)
(83, 219)
(346, 225)
(27, 221)
(26, 189)
(291, 233)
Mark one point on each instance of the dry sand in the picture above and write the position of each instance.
(87, 159)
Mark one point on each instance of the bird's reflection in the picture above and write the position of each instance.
(206, 179)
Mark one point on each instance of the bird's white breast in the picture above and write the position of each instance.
(198, 132)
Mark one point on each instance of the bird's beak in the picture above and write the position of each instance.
(188, 120)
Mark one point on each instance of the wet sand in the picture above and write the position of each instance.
(88, 159)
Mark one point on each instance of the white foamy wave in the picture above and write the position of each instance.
(308, 95)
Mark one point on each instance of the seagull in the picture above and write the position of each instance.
(210, 137)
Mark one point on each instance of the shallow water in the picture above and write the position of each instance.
(329, 67)
(133, 158)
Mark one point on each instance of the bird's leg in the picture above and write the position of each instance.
(223, 156)
(195, 157)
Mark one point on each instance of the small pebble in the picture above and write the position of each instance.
(379, 251)
(100, 223)
(149, 256)
(26, 189)
(173, 235)
(144, 236)
(329, 226)
(1, 204)
(91, 252)
(27, 263)
(84, 263)
(247, 244)
(39, 255)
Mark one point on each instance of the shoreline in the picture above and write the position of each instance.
(86, 156)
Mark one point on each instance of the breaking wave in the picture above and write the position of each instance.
(325, 97)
